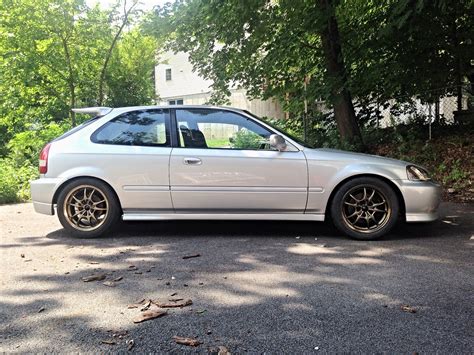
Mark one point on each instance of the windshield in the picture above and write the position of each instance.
(297, 140)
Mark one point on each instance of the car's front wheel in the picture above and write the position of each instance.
(87, 208)
(365, 208)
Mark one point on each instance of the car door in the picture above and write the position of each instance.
(224, 164)
(134, 150)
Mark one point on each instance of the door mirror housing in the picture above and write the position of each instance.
(277, 142)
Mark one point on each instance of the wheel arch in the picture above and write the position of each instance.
(395, 188)
(64, 183)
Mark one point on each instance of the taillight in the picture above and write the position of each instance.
(43, 159)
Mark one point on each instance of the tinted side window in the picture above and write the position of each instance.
(142, 128)
(208, 128)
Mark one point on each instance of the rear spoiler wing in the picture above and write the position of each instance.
(94, 111)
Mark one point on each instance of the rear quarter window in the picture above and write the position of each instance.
(77, 128)
(138, 128)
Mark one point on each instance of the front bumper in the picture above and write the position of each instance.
(42, 194)
(422, 199)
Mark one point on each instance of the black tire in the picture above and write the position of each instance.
(84, 200)
(352, 211)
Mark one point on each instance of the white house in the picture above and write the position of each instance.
(177, 84)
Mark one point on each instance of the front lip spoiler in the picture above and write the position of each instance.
(422, 217)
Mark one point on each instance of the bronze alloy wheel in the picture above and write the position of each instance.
(365, 209)
(86, 208)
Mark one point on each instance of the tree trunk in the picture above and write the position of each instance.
(459, 89)
(70, 81)
(126, 14)
(72, 103)
(343, 108)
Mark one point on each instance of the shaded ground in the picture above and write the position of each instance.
(448, 156)
(257, 286)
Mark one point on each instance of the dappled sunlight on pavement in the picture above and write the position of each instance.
(254, 286)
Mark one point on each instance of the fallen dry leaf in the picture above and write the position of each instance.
(223, 350)
(186, 341)
(118, 333)
(108, 342)
(150, 314)
(137, 304)
(220, 350)
(146, 306)
(97, 277)
(109, 283)
(180, 304)
(407, 308)
(130, 343)
(191, 256)
(41, 309)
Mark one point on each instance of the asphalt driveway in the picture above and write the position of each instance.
(258, 287)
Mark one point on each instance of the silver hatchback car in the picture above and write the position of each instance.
(198, 162)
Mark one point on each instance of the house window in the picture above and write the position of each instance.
(175, 102)
(168, 74)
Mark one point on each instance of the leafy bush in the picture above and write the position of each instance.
(25, 146)
(21, 165)
(8, 183)
(15, 182)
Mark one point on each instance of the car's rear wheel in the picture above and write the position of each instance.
(365, 208)
(87, 208)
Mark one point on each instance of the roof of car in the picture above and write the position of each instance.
(101, 111)
(129, 108)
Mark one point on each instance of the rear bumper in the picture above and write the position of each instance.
(422, 200)
(42, 193)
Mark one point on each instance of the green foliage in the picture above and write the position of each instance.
(454, 176)
(391, 49)
(245, 139)
(15, 181)
(21, 166)
(130, 77)
(8, 183)
(407, 48)
(25, 146)
(52, 55)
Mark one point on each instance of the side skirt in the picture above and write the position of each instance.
(223, 216)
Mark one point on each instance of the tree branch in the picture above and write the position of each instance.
(111, 49)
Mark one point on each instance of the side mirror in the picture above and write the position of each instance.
(277, 142)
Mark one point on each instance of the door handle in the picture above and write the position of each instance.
(192, 161)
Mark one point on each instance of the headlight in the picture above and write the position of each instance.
(417, 174)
